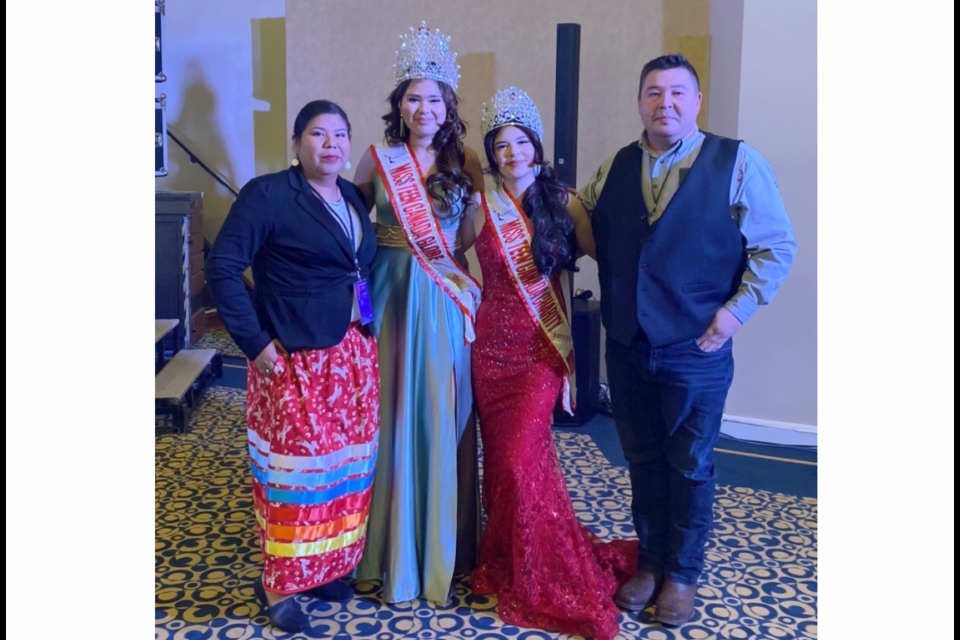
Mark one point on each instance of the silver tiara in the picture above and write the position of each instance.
(510, 106)
(426, 56)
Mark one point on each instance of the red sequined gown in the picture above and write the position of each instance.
(547, 570)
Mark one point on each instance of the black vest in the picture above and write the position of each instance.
(665, 282)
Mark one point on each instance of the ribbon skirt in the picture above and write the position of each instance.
(313, 430)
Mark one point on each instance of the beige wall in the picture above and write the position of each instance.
(776, 351)
(686, 30)
(726, 34)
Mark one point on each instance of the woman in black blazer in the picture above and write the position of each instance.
(313, 393)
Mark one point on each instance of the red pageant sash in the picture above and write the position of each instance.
(405, 186)
(513, 235)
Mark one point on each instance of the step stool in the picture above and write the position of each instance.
(182, 381)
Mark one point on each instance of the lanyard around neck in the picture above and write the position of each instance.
(350, 232)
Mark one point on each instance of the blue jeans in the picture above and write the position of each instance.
(668, 405)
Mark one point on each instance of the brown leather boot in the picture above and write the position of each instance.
(675, 605)
(637, 593)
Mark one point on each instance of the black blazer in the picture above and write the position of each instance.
(302, 265)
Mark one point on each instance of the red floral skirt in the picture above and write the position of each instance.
(313, 429)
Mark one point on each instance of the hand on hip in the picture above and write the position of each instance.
(267, 360)
(724, 325)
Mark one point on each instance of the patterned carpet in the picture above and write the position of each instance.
(220, 340)
(760, 583)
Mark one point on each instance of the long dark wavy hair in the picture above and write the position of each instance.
(450, 185)
(554, 243)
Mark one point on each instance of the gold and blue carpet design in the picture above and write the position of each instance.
(760, 582)
(220, 340)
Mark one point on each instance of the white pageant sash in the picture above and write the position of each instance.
(406, 188)
(512, 232)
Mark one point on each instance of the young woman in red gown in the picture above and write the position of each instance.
(547, 570)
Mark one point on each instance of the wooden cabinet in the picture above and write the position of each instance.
(179, 264)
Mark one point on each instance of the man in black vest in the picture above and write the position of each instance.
(692, 237)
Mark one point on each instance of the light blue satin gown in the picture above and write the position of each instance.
(425, 403)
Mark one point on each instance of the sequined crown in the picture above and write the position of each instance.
(510, 106)
(425, 55)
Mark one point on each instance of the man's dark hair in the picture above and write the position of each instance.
(673, 61)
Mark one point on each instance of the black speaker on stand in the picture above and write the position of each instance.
(585, 322)
(585, 314)
(568, 98)
(567, 106)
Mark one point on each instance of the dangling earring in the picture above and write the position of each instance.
(295, 162)
(497, 179)
(401, 127)
(536, 170)
(348, 165)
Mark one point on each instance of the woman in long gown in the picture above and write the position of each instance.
(424, 520)
(547, 570)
